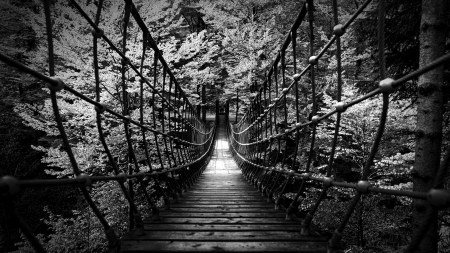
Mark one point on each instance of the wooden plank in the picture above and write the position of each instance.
(236, 191)
(227, 192)
(221, 200)
(223, 210)
(246, 205)
(225, 183)
(201, 186)
(222, 215)
(223, 192)
(223, 227)
(245, 220)
(245, 186)
(224, 189)
(234, 195)
(241, 196)
(131, 246)
(224, 236)
(251, 195)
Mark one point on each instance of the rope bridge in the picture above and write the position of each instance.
(183, 142)
(182, 157)
(265, 127)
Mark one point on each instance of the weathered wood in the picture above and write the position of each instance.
(223, 215)
(223, 201)
(183, 246)
(222, 212)
(223, 227)
(219, 220)
(241, 236)
(222, 192)
(221, 197)
(247, 205)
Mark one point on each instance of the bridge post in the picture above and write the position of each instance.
(131, 192)
(199, 110)
(217, 111)
(227, 111)
(237, 104)
(204, 103)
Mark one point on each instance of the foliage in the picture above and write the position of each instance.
(234, 52)
(80, 230)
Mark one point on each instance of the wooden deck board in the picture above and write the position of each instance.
(223, 227)
(195, 246)
(219, 220)
(239, 236)
(223, 215)
(222, 212)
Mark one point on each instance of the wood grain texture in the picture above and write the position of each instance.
(222, 212)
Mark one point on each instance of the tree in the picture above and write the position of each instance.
(433, 30)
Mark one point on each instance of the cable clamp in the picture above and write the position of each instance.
(387, 85)
(127, 119)
(306, 175)
(313, 60)
(100, 109)
(338, 30)
(97, 34)
(9, 186)
(327, 181)
(315, 119)
(57, 85)
(340, 107)
(123, 178)
(87, 180)
(363, 186)
(438, 197)
(125, 61)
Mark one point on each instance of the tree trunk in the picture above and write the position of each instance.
(429, 113)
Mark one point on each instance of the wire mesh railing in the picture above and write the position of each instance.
(265, 126)
(175, 143)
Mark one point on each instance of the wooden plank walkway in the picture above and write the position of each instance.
(222, 212)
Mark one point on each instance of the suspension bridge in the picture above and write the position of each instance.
(221, 188)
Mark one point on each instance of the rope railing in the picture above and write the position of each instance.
(182, 141)
(264, 127)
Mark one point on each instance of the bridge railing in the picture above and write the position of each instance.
(265, 127)
(177, 151)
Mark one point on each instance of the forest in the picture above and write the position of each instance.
(226, 47)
